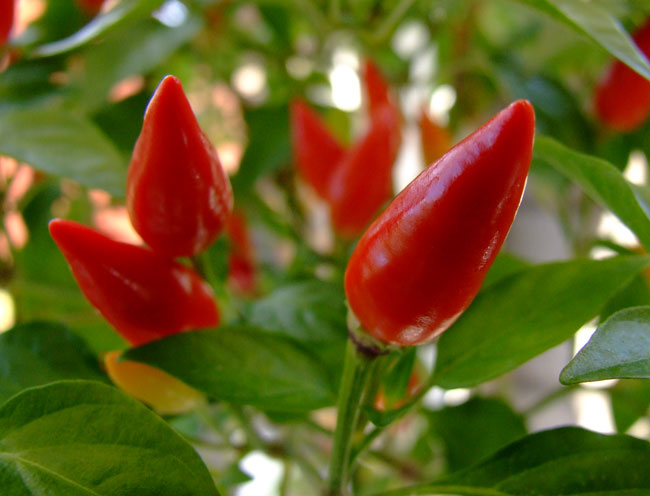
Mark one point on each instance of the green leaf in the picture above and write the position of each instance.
(558, 462)
(591, 19)
(124, 11)
(485, 424)
(524, 315)
(243, 365)
(603, 182)
(78, 438)
(630, 401)
(40, 352)
(59, 143)
(268, 145)
(620, 348)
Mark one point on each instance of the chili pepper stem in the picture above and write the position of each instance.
(356, 372)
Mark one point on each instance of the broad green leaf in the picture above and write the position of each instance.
(597, 23)
(40, 352)
(78, 438)
(63, 144)
(558, 462)
(242, 365)
(124, 11)
(620, 348)
(268, 145)
(310, 312)
(524, 315)
(504, 265)
(485, 424)
(630, 401)
(603, 182)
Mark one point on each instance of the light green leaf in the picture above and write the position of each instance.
(40, 352)
(558, 462)
(59, 143)
(620, 348)
(603, 182)
(524, 315)
(243, 365)
(78, 438)
(597, 23)
(124, 11)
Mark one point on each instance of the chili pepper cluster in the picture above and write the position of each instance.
(357, 181)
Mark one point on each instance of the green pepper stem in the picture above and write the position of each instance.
(355, 376)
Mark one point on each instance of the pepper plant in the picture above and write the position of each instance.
(309, 233)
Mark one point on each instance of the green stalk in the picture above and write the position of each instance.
(355, 376)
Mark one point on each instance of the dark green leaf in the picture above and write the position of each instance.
(598, 24)
(559, 462)
(41, 352)
(504, 265)
(603, 182)
(268, 145)
(634, 294)
(484, 424)
(77, 438)
(619, 348)
(524, 315)
(63, 144)
(243, 365)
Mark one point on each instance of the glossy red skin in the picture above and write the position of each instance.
(316, 151)
(363, 181)
(420, 264)
(178, 195)
(6, 19)
(144, 295)
(242, 270)
(622, 99)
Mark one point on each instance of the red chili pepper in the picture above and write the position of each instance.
(436, 140)
(242, 272)
(377, 89)
(6, 19)
(420, 264)
(178, 195)
(363, 181)
(141, 293)
(317, 152)
(622, 99)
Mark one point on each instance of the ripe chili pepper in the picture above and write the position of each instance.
(363, 181)
(377, 89)
(422, 261)
(242, 272)
(622, 99)
(161, 391)
(144, 295)
(6, 19)
(178, 196)
(90, 7)
(435, 139)
(316, 151)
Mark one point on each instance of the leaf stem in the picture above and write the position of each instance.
(355, 376)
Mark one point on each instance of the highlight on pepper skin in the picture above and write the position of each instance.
(161, 391)
(423, 260)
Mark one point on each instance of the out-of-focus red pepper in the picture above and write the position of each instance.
(242, 271)
(622, 99)
(178, 195)
(363, 180)
(144, 295)
(355, 182)
(316, 151)
(436, 140)
(422, 261)
(413, 388)
(6, 19)
(90, 7)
